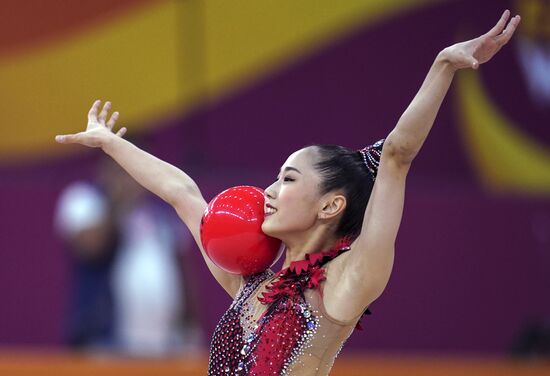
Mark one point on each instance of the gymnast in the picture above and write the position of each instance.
(337, 211)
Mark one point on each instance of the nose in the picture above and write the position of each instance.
(270, 191)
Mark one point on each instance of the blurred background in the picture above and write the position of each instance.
(96, 274)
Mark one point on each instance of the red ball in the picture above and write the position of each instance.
(231, 232)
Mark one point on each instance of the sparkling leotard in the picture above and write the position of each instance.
(277, 324)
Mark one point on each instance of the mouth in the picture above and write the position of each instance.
(269, 210)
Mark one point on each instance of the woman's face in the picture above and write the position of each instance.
(292, 202)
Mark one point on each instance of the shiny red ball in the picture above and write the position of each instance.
(231, 232)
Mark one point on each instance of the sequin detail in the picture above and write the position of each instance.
(371, 156)
(270, 345)
(228, 341)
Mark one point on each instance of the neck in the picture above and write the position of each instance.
(297, 248)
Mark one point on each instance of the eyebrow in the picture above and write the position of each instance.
(291, 169)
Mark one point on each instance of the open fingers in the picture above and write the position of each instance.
(66, 138)
(509, 31)
(92, 114)
(103, 114)
(112, 120)
(497, 29)
(121, 132)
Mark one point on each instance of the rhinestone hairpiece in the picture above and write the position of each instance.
(371, 156)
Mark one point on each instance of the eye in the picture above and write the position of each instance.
(286, 178)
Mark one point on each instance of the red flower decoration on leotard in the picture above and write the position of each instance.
(303, 274)
(299, 266)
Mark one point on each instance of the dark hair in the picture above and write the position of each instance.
(343, 168)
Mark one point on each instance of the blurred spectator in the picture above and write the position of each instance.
(154, 310)
(127, 254)
(83, 221)
(533, 340)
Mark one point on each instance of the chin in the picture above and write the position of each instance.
(266, 230)
(270, 231)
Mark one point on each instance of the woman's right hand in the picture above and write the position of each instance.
(97, 131)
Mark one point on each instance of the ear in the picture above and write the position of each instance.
(332, 206)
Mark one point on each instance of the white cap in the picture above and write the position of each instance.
(80, 207)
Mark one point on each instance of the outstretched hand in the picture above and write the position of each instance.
(472, 53)
(97, 130)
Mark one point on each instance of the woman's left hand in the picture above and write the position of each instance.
(472, 53)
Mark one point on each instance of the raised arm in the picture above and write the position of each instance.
(414, 125)
(366, 269)
(164, 180)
